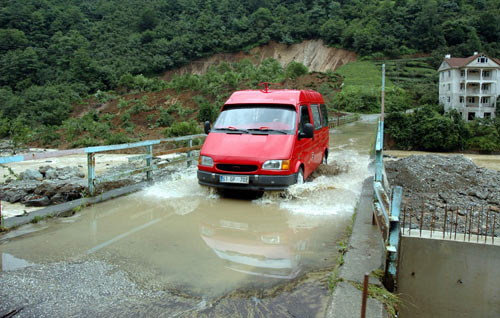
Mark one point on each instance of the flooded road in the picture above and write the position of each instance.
(176, 249)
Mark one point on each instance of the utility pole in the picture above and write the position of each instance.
(383, 95)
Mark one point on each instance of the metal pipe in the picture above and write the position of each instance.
(365, 295)
(456, 224)
(494, 226)
(421, 219)
(404, 218)
(409, 231)
(487, 220)
(470, 221)
(445, 218)
(451, 223)
(478, 224)
(465, 225)
(432, 221)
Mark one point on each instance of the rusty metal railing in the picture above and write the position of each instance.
(148, 168)
(473, 223)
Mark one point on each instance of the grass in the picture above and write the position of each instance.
(364, 74)
(390, 301)
(342, 248)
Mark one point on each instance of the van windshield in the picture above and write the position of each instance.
(257, 119)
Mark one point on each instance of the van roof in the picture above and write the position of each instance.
(275, 96)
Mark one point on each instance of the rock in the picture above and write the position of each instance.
(494, 208)
(37, 202)
(51, 174)
(13, 196)
(31, 174)
(43, 169)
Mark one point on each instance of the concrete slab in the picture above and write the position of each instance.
(365, 254)
(346, 303)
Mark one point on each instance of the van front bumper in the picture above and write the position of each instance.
(256, 182)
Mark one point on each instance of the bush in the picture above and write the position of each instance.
(183, 128)
(206, 112)
(118, 138)
(165, 119)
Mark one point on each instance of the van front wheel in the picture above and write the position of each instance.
(300, 176)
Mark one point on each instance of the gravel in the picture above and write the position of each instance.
(433, 184)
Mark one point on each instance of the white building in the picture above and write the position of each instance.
(470, 85)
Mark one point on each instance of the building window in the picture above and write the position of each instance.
(485, 100)
(485, 87)
(487, 115)
(462, 85)
(449, 74)
(471, 116)
(462, 73)
(449, 99)
(471, 99)
(461, 99)
(486, 73)
(482, 59)
(449, 87)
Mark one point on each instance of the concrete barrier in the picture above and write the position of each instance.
(445, 278)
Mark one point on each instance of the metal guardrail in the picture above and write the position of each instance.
(342, 120)
(91, 151)
(386, 212)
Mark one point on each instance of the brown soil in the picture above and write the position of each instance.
(312, 53)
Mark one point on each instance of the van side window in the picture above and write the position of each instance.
(324, 115)
(316, 118)
(304, 117)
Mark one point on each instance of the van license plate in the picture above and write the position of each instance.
(234, 179)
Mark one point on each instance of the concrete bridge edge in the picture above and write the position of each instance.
(365, 254)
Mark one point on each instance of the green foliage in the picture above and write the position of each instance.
(429, 129)
(183, 128)
(296, 69)
(207, 111)
(165, 119)
(484, 136)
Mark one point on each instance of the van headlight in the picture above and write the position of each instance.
(206, 161)
(276, 165)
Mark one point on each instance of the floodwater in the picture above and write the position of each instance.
(485, 161)
(177, 249)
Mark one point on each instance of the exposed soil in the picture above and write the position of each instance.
(312, 53)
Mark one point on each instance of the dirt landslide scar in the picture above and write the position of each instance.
(265, 140)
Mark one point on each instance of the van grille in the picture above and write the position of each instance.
(237, 168)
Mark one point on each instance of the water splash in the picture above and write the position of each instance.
(333, 190)
(181, 184)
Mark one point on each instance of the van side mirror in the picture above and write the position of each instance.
(207, 127)
(308, 131)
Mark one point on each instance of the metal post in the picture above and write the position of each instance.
(365, 295)
(394, 233)
(149, 161)
(91, 171)
(383, 93)
(189, 152)
(1, 217)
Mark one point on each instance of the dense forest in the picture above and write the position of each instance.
(54, 53)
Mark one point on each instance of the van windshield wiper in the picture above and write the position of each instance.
(232, 129)
(267, 129)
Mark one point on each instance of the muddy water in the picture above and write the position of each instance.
(178, 249)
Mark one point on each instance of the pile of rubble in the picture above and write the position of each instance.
(432, 184)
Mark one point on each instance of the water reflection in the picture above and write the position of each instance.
(261, 245)
(10, 263)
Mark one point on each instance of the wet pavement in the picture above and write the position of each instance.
(179, 250)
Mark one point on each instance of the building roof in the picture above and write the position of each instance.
(457, 62)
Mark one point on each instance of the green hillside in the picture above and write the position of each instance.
(55, 53)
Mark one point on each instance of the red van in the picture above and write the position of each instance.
(265, 140)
